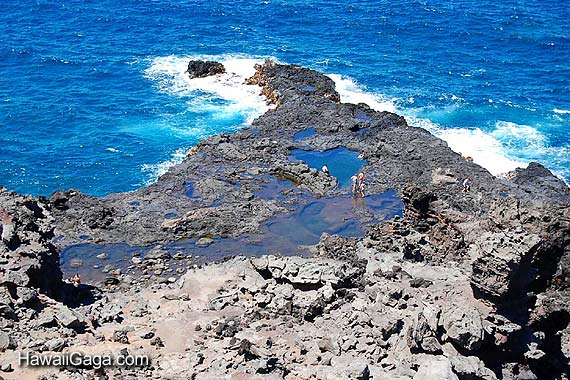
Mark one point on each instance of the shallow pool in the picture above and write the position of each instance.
(285, 234)
(342, 163)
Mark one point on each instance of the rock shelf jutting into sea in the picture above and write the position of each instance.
(93, 96)
(246, 260)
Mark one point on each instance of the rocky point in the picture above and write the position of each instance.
(461, 285)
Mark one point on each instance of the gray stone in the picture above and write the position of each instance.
(6, 342)
(351, 368)
(56, 344)
(68, 318)
(146, 334)
(438, 367)
(8, 232)
(471, 367)
(204, 242)
(422, 337)
(497, 261)
(15, 277)
(26, 295)
(46, 318)
(157, 254)
(110, 312)
(120, 336)
(463, 325)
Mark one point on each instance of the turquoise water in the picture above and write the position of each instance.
(93, 94)
(342, 163)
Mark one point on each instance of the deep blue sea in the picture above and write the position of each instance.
(93, 95)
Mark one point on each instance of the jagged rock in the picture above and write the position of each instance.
(6, 342)
(109, 312)
(202, 69)
(26, 295)
(356, 310)
(417, 199)
(497, 268)
(56, 344)
(157, 254)
(422, 335)
(46, 318)
(436, 368)
(540, 179)
(471, 367)
(121, 336)
(68, 318)
(227, 328)
(16, 278)
(281, 83)
(463, 325)
(8, 232)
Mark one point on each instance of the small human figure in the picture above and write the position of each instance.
(76, 280)
(358, 203)
(467, 184)
(361, 184)
(325, 169)
(354, 180)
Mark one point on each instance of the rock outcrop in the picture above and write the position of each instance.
(202, 69)
(461, 286)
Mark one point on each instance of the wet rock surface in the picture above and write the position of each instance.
(202, 69)
(460, 286)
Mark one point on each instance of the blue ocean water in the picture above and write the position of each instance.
(93, 94)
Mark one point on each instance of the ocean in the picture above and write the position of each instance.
(93, 95)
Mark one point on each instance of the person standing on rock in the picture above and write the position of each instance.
(325, 169)
(354, 180)
(76, 280)
(467, 184)
(361, 184)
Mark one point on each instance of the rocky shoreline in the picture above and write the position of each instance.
(460, 286)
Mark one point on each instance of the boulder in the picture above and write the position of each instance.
(463, 325)
(438, 367)
(6, 342)
(68, 318)
(202, 69)
(498, 268)
(157, 254)
(421, 336)
(541, 180)
(471, 367)
(55, 344)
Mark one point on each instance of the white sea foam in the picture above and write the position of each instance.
(156, 170)
(485, 149)
(351, 92)
(561, 112)
(221, 97)
(169, 73)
